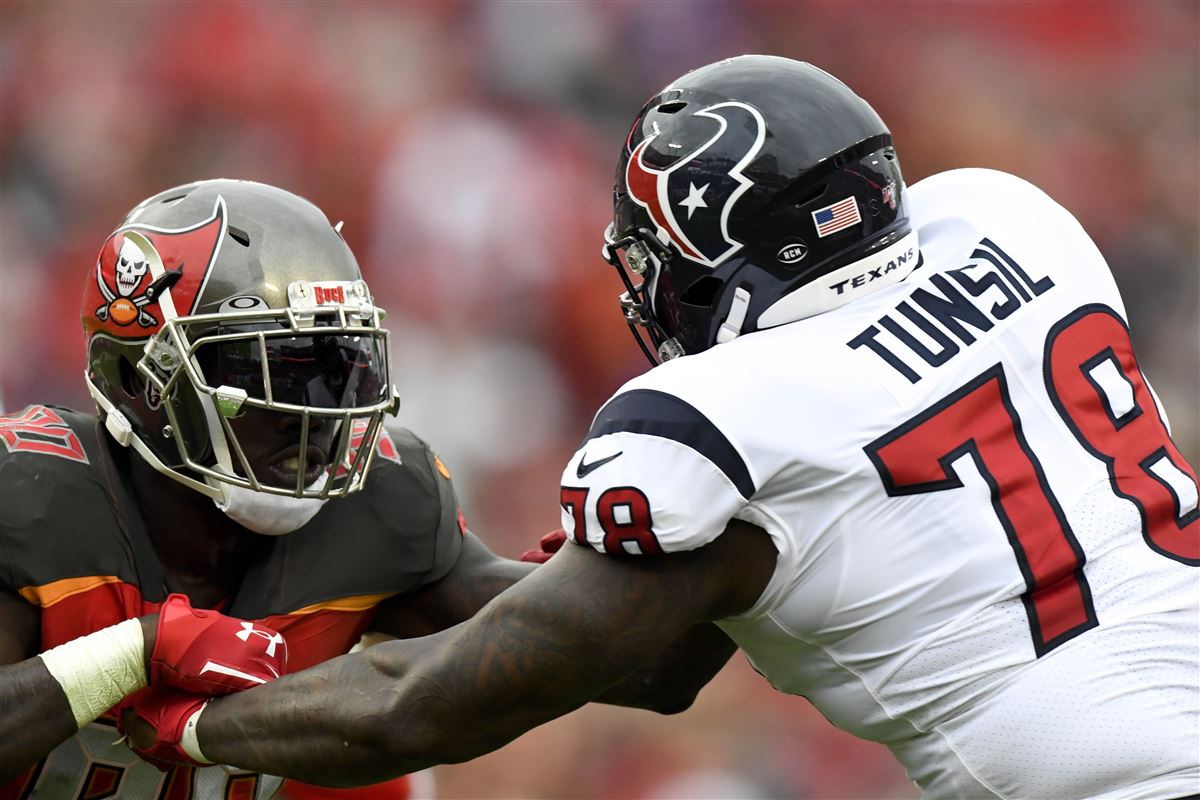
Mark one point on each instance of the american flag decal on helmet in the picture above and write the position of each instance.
(836, 217)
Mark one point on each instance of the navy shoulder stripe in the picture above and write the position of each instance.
(660, 414)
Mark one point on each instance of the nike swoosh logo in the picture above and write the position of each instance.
(584, 469)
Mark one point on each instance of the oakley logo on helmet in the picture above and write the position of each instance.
(130, 261)
(694, 213)
(242, 302)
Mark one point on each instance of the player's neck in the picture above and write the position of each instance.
(203, 552)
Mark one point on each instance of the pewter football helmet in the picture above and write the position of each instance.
(221, 296)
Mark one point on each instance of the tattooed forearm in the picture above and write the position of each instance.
(670, 684)
(575, 627)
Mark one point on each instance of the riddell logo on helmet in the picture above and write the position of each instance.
(792, 253)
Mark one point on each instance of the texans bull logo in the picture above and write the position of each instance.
(130, 283)
(696, 217)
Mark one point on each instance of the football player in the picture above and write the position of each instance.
(239, 463)
(899, 448)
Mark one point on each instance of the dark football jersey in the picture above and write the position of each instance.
(73, 542)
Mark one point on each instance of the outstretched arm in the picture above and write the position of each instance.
(578, 625)
(668, 685)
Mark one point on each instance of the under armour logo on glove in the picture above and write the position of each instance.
(272, 638)
(209, 653)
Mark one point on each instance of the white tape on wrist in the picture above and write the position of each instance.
(188, 742)
(96, 671)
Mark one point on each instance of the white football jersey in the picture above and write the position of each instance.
(988, 545)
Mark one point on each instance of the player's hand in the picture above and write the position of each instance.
(547, 546)
(206, 652)
(153, 721)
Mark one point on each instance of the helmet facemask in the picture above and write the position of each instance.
(641, 253)
(314, 360)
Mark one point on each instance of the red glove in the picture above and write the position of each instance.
(158, 715)
(206, 652)
(547, 547)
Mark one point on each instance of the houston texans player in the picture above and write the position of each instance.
(239, 463)
(899, 449)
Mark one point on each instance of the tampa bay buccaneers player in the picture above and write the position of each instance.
(239, 463)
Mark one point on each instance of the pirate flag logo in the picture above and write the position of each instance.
(691, 208)
(123, 306)
(139, 263)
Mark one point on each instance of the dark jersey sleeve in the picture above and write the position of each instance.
(448, 527)
(57, 521)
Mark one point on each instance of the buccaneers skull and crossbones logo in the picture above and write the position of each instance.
(124, 306)
(140, 265)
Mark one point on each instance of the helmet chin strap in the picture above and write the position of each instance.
(120, 429)
(731, 328)
(261, 512)
(270, 514)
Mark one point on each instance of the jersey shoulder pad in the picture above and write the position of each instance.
(400, 532)
(48, 438)
(655, 473)
(415, 500)
(968, 213)
(405, 463)
(58, 519)
(1006, 208)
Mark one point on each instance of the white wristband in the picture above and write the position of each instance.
(96, 671)
(188, 741)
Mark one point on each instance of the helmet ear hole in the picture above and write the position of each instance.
(703, 292)
(131, 382)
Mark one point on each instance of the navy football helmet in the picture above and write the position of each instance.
(749, 193)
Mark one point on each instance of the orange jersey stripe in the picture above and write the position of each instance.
(361, 602)
(48, 594)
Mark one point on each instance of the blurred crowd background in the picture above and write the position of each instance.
(469, 147)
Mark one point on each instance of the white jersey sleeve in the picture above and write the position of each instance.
(654, 475)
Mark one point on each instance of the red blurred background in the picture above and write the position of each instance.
(470, 147)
